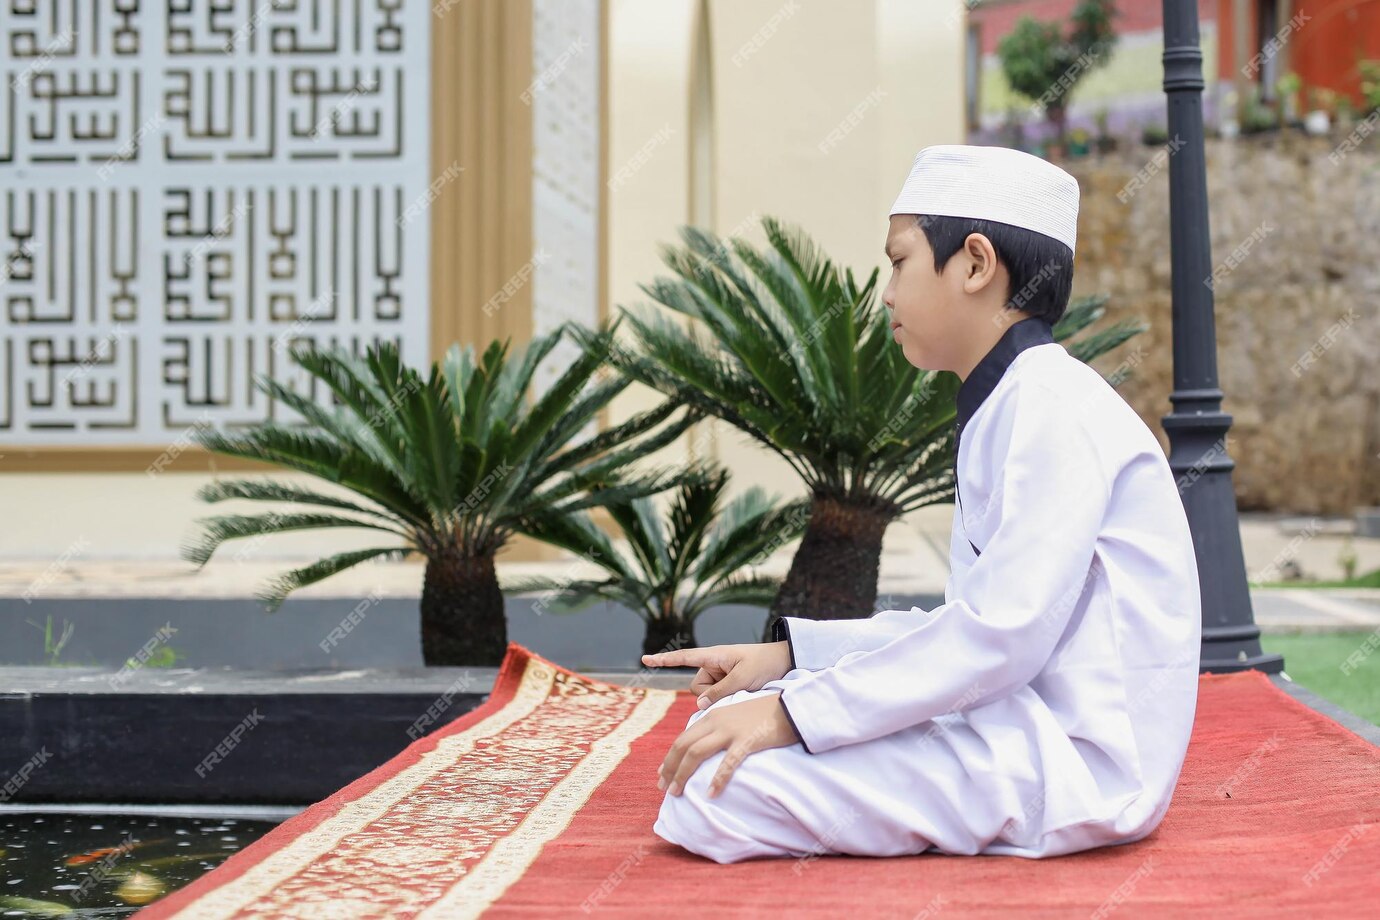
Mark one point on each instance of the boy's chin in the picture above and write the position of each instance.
(917, 359)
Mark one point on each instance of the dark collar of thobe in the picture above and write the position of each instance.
(985, 376)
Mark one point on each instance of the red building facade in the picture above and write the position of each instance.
(1322, 41)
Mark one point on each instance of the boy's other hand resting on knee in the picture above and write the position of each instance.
(749, 726)
(726, 669)
(741, 729)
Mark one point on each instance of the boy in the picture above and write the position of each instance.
(1045, 707)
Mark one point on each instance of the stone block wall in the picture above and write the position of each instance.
(1296, 254)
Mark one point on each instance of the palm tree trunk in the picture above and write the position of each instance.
(668, 634)
(463, 620)
(834, 573)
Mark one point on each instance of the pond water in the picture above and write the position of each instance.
(85, 865)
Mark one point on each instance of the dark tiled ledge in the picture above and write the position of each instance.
(19, 680)
(211, 736)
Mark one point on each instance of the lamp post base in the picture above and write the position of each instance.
(1236, 648)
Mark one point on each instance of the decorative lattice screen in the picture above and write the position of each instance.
(189, 186)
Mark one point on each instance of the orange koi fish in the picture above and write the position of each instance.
(91, 856)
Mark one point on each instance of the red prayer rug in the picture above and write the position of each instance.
(540, 803)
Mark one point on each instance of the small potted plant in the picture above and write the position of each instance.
(1347, 558)
(1104, 142)
(1257, 117)
(1286, 91)
(1228, 127)
(1370, 85)
(1345, 111)
(1078, 143)
(1320, 103)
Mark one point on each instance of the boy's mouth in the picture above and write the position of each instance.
(895, 326)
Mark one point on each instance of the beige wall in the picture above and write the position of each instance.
(816, 111)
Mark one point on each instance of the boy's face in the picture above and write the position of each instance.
(925, 306)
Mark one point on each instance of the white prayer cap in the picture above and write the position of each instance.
(992, 183)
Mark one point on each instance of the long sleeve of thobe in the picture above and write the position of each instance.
(816, 644)
(1047, 493)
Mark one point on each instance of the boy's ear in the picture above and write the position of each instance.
(980, 262)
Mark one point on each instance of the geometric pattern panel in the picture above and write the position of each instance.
(567, 125)
(187, 189)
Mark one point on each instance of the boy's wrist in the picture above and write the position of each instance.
(781, 632)
(787, 656)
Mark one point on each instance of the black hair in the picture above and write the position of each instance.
(1040, 267)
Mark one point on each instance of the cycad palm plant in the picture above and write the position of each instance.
(800, 358)
(673, 571)
(452, 465)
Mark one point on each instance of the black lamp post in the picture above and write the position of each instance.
(1197, 426)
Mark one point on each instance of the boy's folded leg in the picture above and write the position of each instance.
(751, 826)
(787, 802)
(732, 826)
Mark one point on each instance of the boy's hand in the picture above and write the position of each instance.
(726, 669)
(741, 729)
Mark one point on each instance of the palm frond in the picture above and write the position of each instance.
(577, 533)
(690, 517)
(1104, 340)
(571, 596)
(268, 490)
(276, 591)
(754, 590)
(225, 527)
(1080, 313)
(315, 452)
(368, 426)
(749, 527)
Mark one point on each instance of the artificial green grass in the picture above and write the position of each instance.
(1316, 660)
(1368, 580)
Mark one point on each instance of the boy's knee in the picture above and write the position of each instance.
(730, 826)
(705, 828)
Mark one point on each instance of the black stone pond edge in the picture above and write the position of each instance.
(225, 737)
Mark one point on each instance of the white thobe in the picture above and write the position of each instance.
(1045, 707)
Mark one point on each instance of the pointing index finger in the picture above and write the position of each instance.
(691, 657)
